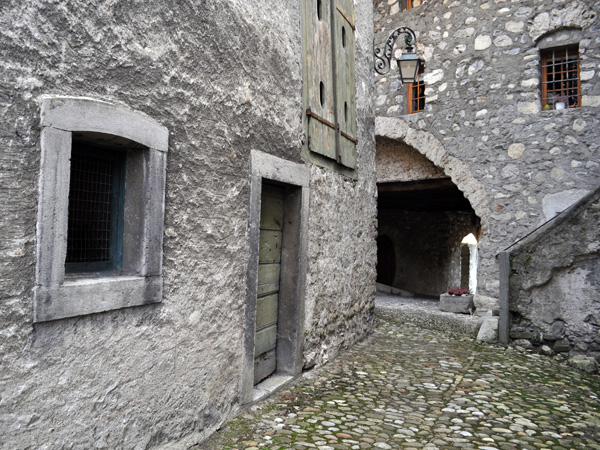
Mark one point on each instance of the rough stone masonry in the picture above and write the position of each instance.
(483, 123)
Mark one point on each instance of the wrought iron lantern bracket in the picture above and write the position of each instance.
(383, 56)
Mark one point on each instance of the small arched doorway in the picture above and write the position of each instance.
(386, 260)
(468, 263)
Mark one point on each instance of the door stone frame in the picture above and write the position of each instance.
(290, 334)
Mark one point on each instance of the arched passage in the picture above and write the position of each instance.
(428, 202)
(432, 149)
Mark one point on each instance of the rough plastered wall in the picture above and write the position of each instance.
(427, 248)
(343, 220)
(225, 78)
(483, 124)
(397, 161)
(555, 282)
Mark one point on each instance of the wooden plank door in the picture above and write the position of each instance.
(269, 266)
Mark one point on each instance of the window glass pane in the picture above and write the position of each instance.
(417, 94)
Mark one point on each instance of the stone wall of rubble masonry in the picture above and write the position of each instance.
(427, 248)
(555, 283)
(483, 123)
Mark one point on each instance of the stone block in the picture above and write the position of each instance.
(489, 330)
(520, 333)
(562, 345)
(554, 203)
(522, 343)
(595, 355)
(462, 304)
(383, 288)
(584, 363)
(556, 331)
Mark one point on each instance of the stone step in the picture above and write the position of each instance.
(425, 314)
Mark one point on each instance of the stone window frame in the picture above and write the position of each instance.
(292, 290)
(56, 296)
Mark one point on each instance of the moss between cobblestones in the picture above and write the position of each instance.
(414, 388)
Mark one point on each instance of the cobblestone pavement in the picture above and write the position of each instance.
(410, 388)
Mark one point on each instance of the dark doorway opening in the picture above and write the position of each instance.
(422, 223)
(386, 261)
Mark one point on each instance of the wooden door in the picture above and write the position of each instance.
(269, 265)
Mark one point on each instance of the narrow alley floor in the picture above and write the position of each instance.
(412, 388)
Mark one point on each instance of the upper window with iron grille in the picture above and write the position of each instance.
(561, 84)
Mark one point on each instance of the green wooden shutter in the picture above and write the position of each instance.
(345, 76)
(319, 94)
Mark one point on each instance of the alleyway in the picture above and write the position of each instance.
(413, 388)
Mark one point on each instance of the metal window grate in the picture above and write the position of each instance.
(90, 209)
(416, 95)
(560, 78)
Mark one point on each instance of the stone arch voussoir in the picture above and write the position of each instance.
(575, 15)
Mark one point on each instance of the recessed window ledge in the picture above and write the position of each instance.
(81, 296)
(550, 111)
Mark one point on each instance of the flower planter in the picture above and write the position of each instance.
(462, 304)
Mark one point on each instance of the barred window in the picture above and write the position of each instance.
(100, 164)
(416, 94)
(560, 79)
(412, 3)
(95, 217)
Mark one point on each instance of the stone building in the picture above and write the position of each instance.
(185, 186)
(482, 144)
(235, 151)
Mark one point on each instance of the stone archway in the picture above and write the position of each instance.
(428, 201)
(430, 147)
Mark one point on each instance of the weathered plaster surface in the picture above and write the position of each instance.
(341, 276)
(555, 282)
(397, 161)
(224, 77)
(483, 108)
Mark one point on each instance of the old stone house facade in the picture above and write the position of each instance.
(224, 218)
(480, 145)
(241, 139)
